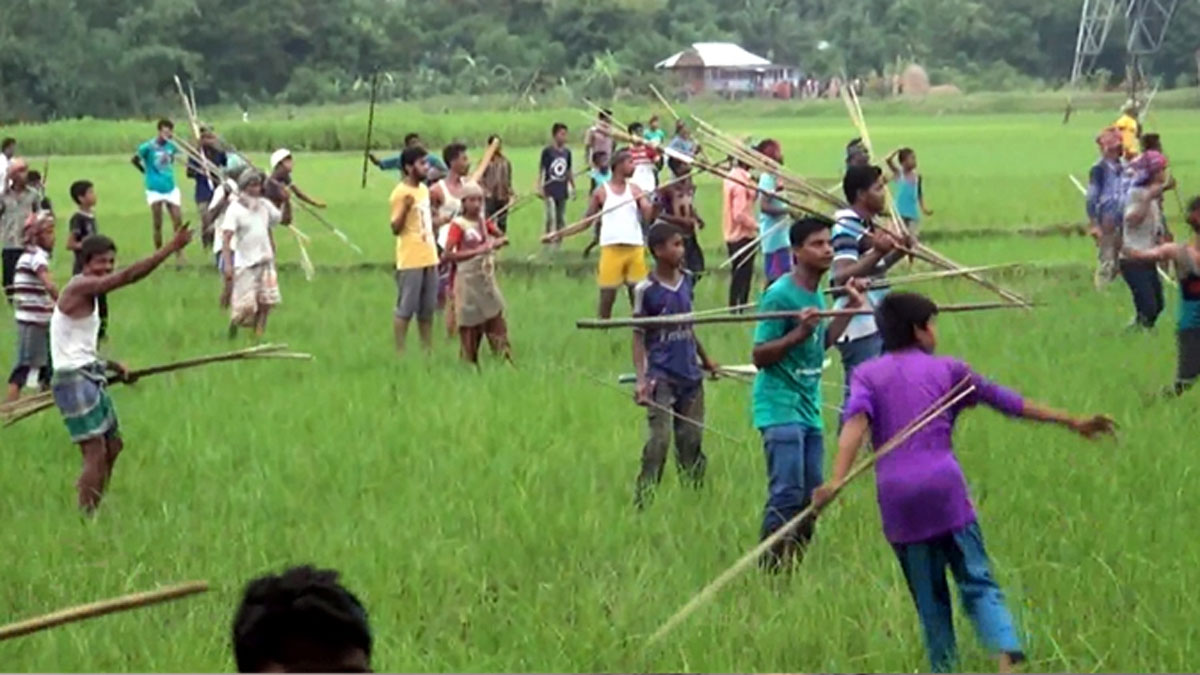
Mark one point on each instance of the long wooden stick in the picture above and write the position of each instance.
(672, 413)
(708, 592)
(596, 216)
(925, 276)
(692, 319)
(663, 100)
(81, 612)
(370, 128)
(488, 154)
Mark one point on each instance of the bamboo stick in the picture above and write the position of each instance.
(685, 319)
(669, 411)
(555, 236)
(488, 154)
(662, 99)
(924, 276)
(370, 127)
(706, 594)
(95, 609)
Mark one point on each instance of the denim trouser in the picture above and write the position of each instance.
(794, 454)
(1146, 287)
(924, 564)
(856, 352)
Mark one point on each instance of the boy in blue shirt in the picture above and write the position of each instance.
(789, 354)
(156, 159)
(668, 362)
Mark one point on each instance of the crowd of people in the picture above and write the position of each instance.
(448, 223)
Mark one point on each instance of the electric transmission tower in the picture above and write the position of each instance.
(1146, 23)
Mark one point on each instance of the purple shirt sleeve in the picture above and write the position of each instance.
(999, 398)
(861, 399)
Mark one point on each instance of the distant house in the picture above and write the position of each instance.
(726, 68)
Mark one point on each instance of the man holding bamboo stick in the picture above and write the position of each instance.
(923, 499)
(863, 251)
(80, 375)
(622, 208)
(789, 354)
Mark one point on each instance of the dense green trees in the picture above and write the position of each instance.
(62, 58)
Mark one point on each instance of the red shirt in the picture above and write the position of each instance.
(643, 154)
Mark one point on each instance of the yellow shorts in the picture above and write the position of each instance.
(621, 264)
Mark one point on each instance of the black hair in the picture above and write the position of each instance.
(675, 164)
(302, 615)
(1152, 142)
(803, 228)
(166, 124)
(1194, 205)
(859, 178)
(619, 156)
(410, 137)
(453, 152)
(79, 188)
(766, 143)
(410, 156)
(33, 176)
(7, 143)
(636, 128)
(854, 143)
(900, 315)
(94, 245)
(660, 234)
(493, 137)
(606, 114)
(905, 153)
(558, 126)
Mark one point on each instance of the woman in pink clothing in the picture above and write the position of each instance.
(740, 227)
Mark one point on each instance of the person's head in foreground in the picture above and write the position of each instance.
(99, 255)
(864, 189)
(666, 244)
(281, 161)
(812, 247)
(906, 320)
(301, 621)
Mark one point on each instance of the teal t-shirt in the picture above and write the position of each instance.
(654, 136)
(789, 392)
(779, 238)
(159, 162)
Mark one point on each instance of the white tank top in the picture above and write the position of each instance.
(73, 341)
(621, 225)
(451, 207)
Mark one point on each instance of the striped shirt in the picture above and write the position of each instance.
(31, 298)
(849, 243)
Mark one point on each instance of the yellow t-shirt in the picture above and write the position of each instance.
(1128, 127)
(415, 246)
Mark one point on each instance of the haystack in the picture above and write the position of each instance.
(914, 81)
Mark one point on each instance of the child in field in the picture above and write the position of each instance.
(301, 621)
(676, 206)
(909, 193)
(1186, 256)
(645, 175)
(34, 295)
(790, 355)
(927, 514)
(773, 218)
(80, 375)
(251, 282)
(478, 305)
(600, 174)
(81, 226)
(36, 184)
(668, 362)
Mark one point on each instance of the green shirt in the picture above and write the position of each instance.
(789, 392)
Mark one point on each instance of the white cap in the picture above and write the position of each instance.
(278, 156)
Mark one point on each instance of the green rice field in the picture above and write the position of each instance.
(485, 517)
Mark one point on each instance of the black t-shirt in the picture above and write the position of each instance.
(556, 169)
(83, 225)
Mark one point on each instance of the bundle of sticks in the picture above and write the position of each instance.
(14, 412)
(803, 191)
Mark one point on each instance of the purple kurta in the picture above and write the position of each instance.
(921, 489)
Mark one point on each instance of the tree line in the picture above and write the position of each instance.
(116, 58)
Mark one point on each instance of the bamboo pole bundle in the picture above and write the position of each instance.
(692, 319)
(45, 400)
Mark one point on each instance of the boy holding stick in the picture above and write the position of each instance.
(478, 305)
(622, 207)
(80, 375)
(668, 362)
(923, 499)
(789, 355)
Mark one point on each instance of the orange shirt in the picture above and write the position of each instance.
(737, 213)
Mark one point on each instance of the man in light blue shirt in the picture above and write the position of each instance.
(156, 159)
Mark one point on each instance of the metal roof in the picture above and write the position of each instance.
(715, 55)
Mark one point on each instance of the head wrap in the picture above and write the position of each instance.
(471, 189)
(249, 176)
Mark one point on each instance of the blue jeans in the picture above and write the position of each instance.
(1146, 288)
(924, 564)
(856, 352)
(794, 454)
